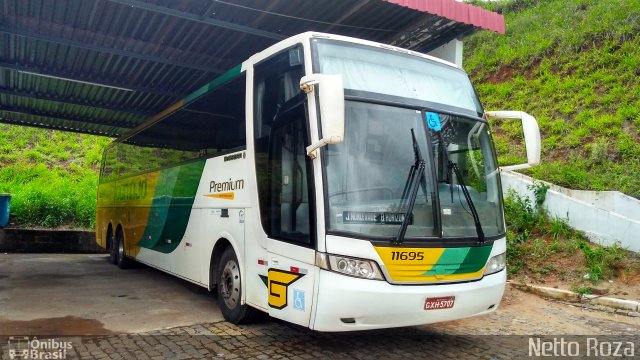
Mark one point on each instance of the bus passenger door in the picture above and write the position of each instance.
(288, 219)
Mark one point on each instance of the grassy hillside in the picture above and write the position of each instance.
(52, 176)
(575, 66)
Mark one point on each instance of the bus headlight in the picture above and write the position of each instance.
(361, 268)
(495, 264)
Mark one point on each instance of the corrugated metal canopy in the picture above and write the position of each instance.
(104, 66)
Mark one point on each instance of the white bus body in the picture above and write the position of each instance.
(349, 240)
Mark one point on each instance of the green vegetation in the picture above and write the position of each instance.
(52, 176)
(582, 290)
(574, 65)
(601, 261)
(541, 246)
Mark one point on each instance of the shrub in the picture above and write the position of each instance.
(601, 261)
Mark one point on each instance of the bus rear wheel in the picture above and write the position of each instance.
(229, 290)
(122, 261)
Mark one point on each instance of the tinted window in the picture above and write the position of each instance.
(212, 124)
(109, 164)
(282, 167)
(288, 202)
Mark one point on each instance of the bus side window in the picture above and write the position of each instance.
(288, 180)
(212, 124)
(108, 164)
(280, 134)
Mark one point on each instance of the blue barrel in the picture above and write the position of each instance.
(5, 206)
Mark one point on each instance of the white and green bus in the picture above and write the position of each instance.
(331, 182)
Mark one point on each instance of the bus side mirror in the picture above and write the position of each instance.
(531, 136)
(331, 103)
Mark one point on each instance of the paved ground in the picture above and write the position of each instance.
(275, 340)
(85, 294)
(197, 332)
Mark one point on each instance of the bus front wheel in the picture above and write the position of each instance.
(113, 250)
(229, 290)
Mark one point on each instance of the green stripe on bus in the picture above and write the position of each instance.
(461, 260)
(171, 208)
(449, 261)
(475, 260)
(213, 84)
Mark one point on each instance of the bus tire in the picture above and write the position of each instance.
(122, 261)
(229, 290)
(113, 250)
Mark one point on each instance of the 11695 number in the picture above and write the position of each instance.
(407, 255)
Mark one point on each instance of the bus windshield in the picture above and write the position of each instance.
(466, 145)
(368, 175)
(381, 71)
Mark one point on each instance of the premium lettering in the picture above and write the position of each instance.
(228, 185)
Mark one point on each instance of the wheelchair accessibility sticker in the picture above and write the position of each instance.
(433, 121)
(298, 299)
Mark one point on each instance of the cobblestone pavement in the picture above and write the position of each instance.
(274, 340)
(502, 335)
(521, 313)
(505, 334)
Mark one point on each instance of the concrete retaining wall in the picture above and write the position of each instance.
(48, 241)
(606, 217)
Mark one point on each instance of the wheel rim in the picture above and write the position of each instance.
(120, 249)
(230, 284)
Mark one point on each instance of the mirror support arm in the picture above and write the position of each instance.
(531, 136)
(331, 105)
(311, 149)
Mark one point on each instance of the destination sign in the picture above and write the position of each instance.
(368, 217)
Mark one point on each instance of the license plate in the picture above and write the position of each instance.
(439, 303)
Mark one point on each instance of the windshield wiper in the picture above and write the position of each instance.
(456, 170)
(472, 207)
(411, 188)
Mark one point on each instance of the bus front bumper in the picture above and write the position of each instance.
(348, 304)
